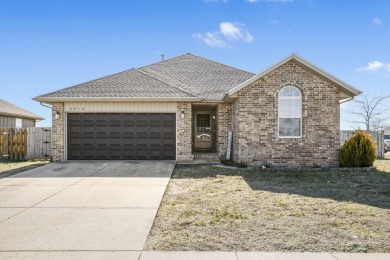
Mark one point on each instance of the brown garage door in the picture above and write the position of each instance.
(107, 136)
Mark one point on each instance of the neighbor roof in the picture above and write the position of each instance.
(186, 77)
(9, 109)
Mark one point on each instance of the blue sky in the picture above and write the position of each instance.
(48, 45)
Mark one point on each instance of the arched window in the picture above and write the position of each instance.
(290, 112)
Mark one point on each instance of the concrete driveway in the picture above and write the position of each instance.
(81, 206)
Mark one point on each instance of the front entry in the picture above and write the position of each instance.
(203, 131)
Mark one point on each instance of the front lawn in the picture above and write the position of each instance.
(213, 208)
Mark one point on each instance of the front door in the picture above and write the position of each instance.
(203, 131)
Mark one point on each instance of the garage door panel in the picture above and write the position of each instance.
(101, 129)
(121, 136)
(74, 118)
(112, 118)
(87, 118)
(129, 141)
(74, 129)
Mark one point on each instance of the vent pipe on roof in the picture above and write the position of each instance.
(162, 57)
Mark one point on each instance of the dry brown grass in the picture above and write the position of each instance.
(8, 168)
(384, 164)
(212, 208)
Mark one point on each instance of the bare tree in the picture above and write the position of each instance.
(371, 112)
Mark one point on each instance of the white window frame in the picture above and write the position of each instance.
(300, 118)
(18, 122)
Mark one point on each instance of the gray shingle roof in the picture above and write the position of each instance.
(186, 76)
(9, 109)
(202, 77)
(129, 83)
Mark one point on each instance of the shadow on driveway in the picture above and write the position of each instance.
(156, 169)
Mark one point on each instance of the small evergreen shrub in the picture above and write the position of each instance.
(358, 151)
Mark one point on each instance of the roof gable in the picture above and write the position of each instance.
(344, 87)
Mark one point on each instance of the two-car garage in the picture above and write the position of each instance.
(121, 136)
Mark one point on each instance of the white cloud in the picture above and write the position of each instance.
(274, 22)
(343, 105)
(211, 39)
(235, 31)
(372, 66)
(377, 21)
(388, 67)
(227, 31)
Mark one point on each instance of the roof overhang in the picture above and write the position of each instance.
(21, 116)
(346, 89)
(116, 99)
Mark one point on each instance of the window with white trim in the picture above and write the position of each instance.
(290, 112)
(18, 122)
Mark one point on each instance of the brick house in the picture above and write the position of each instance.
(287, 115)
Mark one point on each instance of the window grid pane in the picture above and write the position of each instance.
(289, 127)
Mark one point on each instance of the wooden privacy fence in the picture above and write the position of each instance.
(13, 143)
(25, 143)
(377, 138)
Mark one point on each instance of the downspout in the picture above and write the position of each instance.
(225, 96)
(42, 104)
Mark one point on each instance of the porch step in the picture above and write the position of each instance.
(206, 156)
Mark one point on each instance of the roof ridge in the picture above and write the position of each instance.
(187, 89)
(216, 62)
(143, 72)
(162, 61)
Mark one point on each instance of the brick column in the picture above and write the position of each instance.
(58, 132)
(184, 132)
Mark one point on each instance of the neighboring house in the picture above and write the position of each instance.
(386, 138)
(387, 131)
(14, 116)
(287, 115)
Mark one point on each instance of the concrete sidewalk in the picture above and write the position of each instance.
(189, 255)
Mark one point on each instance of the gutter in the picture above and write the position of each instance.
(42, 104)
(114, 99)
(346, 100)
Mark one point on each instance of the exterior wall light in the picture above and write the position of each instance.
(57, 115)
(182, 114)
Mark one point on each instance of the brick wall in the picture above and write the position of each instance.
(58, 132)
(184, 132)
(255, 121)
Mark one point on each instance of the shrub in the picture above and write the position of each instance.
(358, 151)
